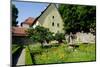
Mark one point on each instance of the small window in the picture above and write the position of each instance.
(53, 17)
(57, 31)
(57, 24)
(53, 24)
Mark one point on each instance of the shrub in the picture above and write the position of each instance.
(59, 37)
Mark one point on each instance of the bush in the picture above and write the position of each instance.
(59, 37)
(40, 34)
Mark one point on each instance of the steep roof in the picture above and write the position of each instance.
(20, 31)
(43, 13)
(28, 21)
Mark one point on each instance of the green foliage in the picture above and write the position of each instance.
(59, 37)
(40, 34)
(36, 48)
(78, 17)
(14, 15)
(15, 48)
(60, 54)
(34, 35)
(87, 47)
(85, 52)
(28, 59)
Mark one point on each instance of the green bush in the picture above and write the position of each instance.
(59, 37)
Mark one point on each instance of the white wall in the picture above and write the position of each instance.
(25, 25)
(46, 19)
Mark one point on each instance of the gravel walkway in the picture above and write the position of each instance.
(21, 60)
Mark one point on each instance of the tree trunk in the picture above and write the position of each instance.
(67, 37)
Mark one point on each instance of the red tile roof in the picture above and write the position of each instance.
(29, 21)
(19, 31)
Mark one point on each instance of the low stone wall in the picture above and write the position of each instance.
(80, 37)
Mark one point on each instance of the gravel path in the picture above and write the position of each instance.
(21, 60)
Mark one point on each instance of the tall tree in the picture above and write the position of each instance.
(14, 15)
(40, 34)
(78, 17)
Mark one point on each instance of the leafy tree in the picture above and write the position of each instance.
(59, 37)
(78, 17)
(40, 34)
(14, 15)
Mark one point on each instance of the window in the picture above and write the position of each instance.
(53, 24)
(53, 17)
(58, 31)
(57, 24)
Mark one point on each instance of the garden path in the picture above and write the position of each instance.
(21, 59)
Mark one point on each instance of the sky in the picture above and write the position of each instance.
(28, 9)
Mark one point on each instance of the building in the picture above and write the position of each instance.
(50, 18)
(28, 22)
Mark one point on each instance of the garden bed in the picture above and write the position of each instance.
(61, 53)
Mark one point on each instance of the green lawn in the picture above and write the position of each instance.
(59, 54)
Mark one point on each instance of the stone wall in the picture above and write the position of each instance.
(80, 37)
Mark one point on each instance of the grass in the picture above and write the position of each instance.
(60, 54)
(35, 48)
(28, 59)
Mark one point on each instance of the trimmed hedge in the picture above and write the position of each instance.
(14, 50)
(28, 59)
(15, 54)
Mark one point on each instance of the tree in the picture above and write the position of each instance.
(14, 15)
(78, 18)
(59, 37)
(40, 34)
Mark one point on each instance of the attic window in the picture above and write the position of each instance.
(57, 24)
(53, 24)
(53, 17)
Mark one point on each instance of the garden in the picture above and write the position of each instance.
(59, 54)
(76, 18)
